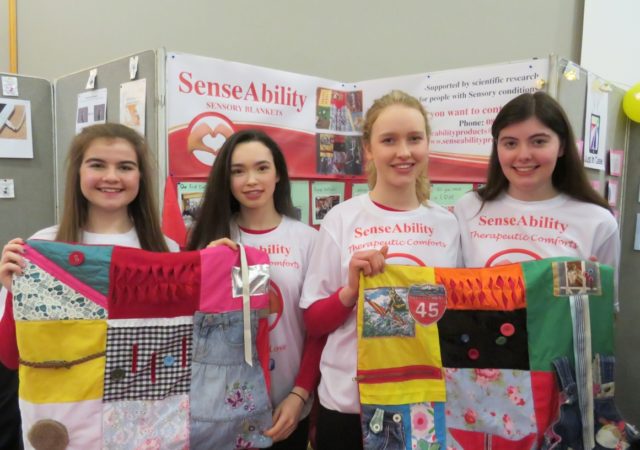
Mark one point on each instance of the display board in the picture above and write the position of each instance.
(27, 201)
(109, 76)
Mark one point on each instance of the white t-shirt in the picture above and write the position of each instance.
(128, 239)
(507, 230)
(289, 247)
(427, 235)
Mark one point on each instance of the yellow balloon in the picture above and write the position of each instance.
(631, 103)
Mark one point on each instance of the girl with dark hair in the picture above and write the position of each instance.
(537, 202)
(395, 220)
(108, 200)
(248, 200)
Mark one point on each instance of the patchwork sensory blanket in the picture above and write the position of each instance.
(463, 358)
(124, 348)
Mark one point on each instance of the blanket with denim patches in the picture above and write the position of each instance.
(105, 337)
(462, 358)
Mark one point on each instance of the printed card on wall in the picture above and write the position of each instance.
(616, 162)
(92, 108)
(300, 198)
(133, 104)
(447, 194)
(595, 137)
(15, 128)
(189, 199)
(324, 196)
(359, 189)
(7, 188)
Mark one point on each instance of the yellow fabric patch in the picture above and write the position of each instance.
(69, 341)
(398, 358)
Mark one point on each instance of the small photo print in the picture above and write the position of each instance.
(338, 154)
(594, 134)
(190, 198)
(576, 277)
(83, 114)
(324, 204)
(338, 110)
(386, 313)
(99, 113)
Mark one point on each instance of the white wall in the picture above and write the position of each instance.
(343, 40)
(611, 40)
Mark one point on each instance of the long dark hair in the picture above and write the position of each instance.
(142, 210)
(569, 176)
(219, 205)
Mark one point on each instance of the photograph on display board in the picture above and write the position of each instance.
(189, 199)
(133, 104)
(91, 109)
(338, 110)
(324, 196)
(324, 204)
(338, 154)
(15, 128)
(594, 139)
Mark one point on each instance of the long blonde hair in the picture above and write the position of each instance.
(142, 210)
(395, 97)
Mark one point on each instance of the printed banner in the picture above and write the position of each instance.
(208, 99)
(317, 121)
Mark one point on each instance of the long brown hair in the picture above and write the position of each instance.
(569, 176)
(142, 210)
(395, 98)
(219, 205)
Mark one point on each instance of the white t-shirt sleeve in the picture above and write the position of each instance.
(46, 234)
(607, 251)
(324, 273)
(607, 246)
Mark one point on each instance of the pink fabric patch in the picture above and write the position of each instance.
(83, 421)
(216, 286)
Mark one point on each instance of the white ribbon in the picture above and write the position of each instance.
(246, 306)
(584, 370)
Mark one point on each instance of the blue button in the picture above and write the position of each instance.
(169, 361)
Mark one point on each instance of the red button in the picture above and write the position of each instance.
(507, 329)
(76, 258)
(473, 353)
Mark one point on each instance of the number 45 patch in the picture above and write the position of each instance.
(427, 302)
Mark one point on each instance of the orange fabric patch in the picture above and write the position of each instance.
(495, 288)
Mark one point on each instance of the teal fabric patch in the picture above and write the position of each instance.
(94, 268)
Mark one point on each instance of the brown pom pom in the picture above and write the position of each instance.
(48, 434)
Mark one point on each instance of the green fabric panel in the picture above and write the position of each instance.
(549, 317)
(94, 271)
